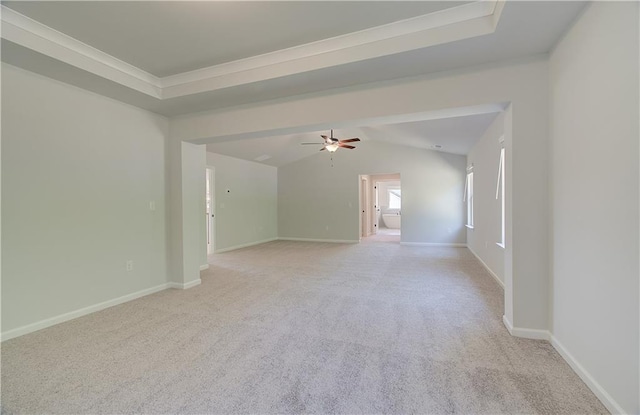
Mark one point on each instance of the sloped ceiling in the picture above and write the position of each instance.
(455, 135)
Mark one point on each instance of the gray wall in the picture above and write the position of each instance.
(78, 174)
(594, 198)
(247, 214)
(485, 156)
(318, 201)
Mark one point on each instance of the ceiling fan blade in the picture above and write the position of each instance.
(323, 136)
(350, 140)
(312, 144)
(323, 148)
(345, 145)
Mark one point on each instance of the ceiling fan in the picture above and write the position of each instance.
(331, 144)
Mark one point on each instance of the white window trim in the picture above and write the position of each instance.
(468, 197)
(500, 194)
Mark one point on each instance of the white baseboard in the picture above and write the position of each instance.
(486, 267)
(204, 267)
(534, 334)
(186, 285)
(30, 328)
(586, 377)
(233, 248)
(507, 324)
(450, 245)
(335, 241)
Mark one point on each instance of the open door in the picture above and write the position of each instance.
(364, 207)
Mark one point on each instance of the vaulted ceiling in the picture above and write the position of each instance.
(179, 57)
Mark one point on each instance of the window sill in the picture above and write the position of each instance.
(469, 226)
(500, 245)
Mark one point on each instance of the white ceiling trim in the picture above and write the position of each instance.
(446, 26)
(343, 42)
(36, 36)
(456, 23)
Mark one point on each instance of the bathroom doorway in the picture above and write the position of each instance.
(381, 207)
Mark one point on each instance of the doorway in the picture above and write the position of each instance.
(389, 206)
(381, 207)
(210, 209)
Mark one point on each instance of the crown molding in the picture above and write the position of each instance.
(456, 23)
(29, 33)
(448, 25)
(349, 40)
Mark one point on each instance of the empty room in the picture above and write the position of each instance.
(349, 207)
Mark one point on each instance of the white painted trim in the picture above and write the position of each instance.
(36, 36)
(507, 324)
(204, 267)
(493, 274)
(445, 244)
(455, 23)
(586, 377)
(349, 40)
(448, 25)
(332, 241)
(30, 328)
(533, 334)
(184, 286)
(248, 244)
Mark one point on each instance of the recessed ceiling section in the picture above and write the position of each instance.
(124, 49)
(119, 60)
(170, 37)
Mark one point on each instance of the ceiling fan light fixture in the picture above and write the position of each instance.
(331, 148)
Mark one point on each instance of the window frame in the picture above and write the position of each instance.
(500, 195)
(468, 197)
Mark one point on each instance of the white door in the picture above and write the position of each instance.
(376, 208)
(210, 211)
(364, 208)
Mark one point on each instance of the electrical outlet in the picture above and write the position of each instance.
(152, 205)
(129, 265)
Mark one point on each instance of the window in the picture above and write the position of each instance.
(395, 198)
(500, 196)
(468, 197)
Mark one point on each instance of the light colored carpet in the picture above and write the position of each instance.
(294, 327)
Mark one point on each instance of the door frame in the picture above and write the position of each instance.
(210, 209)
(364, 207)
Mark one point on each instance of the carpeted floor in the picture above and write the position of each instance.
(293, 327)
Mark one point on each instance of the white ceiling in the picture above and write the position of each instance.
(455, 135)
(157, 38)
(169, 37)
(180, 57)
